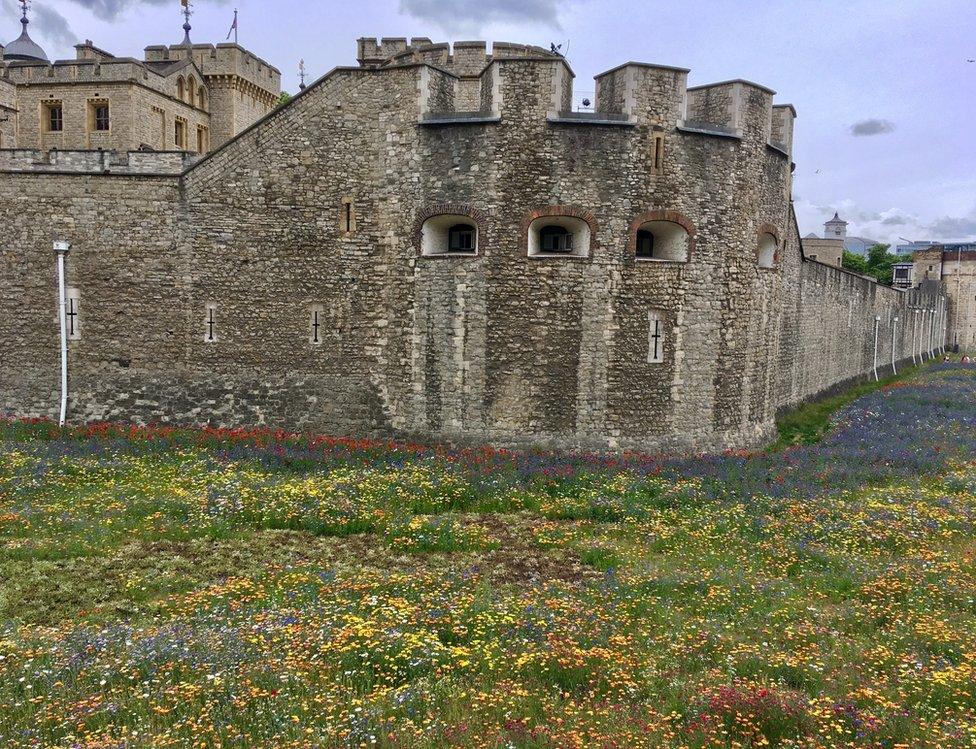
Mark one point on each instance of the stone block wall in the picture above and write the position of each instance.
(96, 162)
(123, 263)
(827, 251)
(954, 270)
(8, 114)
(494, 346)
(959, 276)
(715, 105)
(832, 330)
(138, 115)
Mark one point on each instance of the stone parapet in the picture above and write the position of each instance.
(95, 162)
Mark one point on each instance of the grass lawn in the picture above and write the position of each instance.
(174, 588)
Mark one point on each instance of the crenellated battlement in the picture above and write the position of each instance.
(466, 83)
(95, 161)
(224, 60)
(87, 69)
(466, 58)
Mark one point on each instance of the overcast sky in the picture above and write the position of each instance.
(885, 89)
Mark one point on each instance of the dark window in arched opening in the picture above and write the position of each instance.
(666, 241)
(555, 239)
(645, 243)
(460, 238)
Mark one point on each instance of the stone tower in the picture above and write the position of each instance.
(23, 47)
(243, 87)
(188, 98)
(836, 228)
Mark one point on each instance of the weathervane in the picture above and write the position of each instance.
(25, 4)
(301, 74)
(186, 23)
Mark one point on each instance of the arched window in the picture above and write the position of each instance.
(449, 234)
(559, 233)
(180, 88)
(768, 247)
(662, 240)
(202, 98)
(191, 89)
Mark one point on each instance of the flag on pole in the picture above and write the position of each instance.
(233, 28)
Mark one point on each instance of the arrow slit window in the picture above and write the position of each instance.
(316, 324)
(72, 314)
(210, 324)
(656, 336)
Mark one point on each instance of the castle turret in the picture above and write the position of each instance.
(24, 48)
(836, 228)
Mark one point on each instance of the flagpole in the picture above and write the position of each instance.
(235, 25)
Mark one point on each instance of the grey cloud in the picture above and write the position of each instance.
(471, 15)
(951, 227)
(53, 26)
(895, 221)
(872, 127)
(110, 9)
(46, 24)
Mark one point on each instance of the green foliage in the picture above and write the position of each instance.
(809, 423)
(878, 264)
(284, 98)
(601, 558)
(853, 261)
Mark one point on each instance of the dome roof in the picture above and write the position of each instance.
(23, 47)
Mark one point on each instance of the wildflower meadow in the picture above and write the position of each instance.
(166, 587)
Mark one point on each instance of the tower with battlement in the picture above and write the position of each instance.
(190, 98)
(435, 243)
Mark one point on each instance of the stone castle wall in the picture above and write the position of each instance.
(830, 333)
(138, 115)
(959, 275)
(243, 88)
(8, 114)
(144, 98)
(494, 347)
(954, 270)
(96, 162)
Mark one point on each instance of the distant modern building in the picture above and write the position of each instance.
(910, 248)
(921, 245)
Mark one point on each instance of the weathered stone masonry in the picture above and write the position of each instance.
(498, 344)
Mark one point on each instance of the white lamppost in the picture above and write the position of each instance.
(914, 315)
(921, 338)
(61, 249)
(877, 329)
(894, 327)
